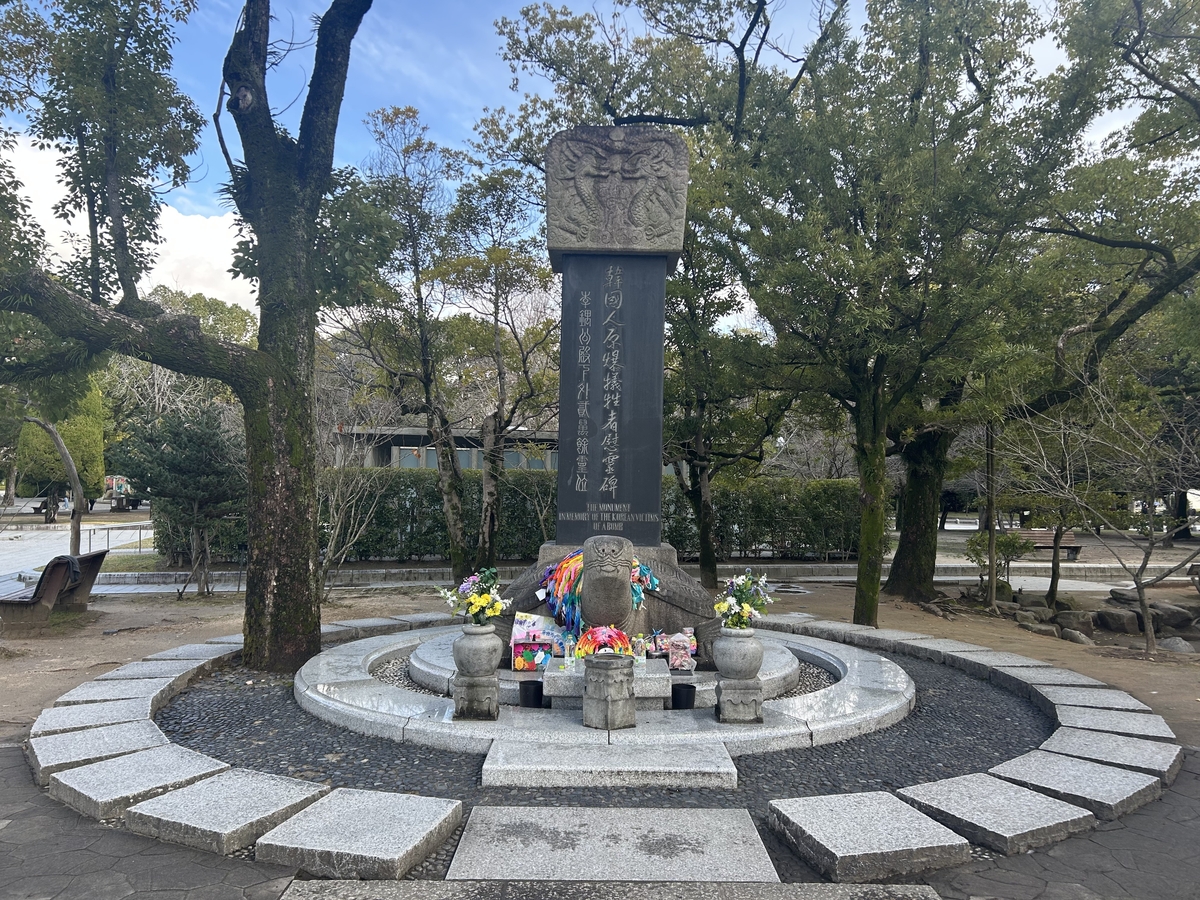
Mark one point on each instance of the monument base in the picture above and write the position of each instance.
(608, 701)
(739, 702)
(680, 601)
(476, 698)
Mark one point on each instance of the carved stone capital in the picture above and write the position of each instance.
(616, 190)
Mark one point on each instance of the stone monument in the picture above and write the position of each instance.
(616, 199)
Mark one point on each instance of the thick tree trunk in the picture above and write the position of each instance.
(10, 486)
(870, 452)
(991, 513)
(699, 495)
(450, 487)
(489, 517)
(926, 459)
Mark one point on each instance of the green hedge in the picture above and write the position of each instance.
(780, 517)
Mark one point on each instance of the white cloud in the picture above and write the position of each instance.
(196, 250)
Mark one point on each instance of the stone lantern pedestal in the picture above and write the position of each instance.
(608, 700)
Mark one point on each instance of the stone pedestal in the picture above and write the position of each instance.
(739, 702)
(608, 700)
(476, 698)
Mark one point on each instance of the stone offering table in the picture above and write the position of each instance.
(651, 686)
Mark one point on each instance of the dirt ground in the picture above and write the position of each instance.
(122, 628)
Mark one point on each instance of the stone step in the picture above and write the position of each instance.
(1107, 791)
(541, 843)
(865, 837)
(1152, 757)
(524, 764)
(106, 789)
(60, 719)
(997, 814)
(361, 834)
(59, 752)
(224, 813)
(608, 890)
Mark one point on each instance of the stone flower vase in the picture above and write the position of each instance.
(477, 653)
(737, 654)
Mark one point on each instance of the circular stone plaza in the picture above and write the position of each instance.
(889, 764)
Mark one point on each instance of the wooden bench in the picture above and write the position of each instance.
(66, 583)
(1044, 540)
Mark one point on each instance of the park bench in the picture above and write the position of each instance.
(65, 583)
(1044, 540)
(1194, 575)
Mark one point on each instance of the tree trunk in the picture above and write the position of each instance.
(10, 486)
(72, 478)
(1147, 617)
(870, 452)
(489, 517)
(926, 459)
(699, 495)
(1055, 565)
(450, 485)
(990, 466)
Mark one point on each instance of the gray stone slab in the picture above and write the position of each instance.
(980, 662)
(361, 834)
(1019, 680)
(332, 632)
(1107, 791)
(224, 813)
(777, 732)
(180, 671)
(600, 890)
(60, 719)
(587, 844)
(429, 619)
(371, 626)
(227, 639)
(155, 689)
(1003, 816)
(883, 638)
(864, 837)
(521, 764)
(212, 651)
(651, 681)
(57, 752)
(934, 648)
(106, 789)
(830, 631)
(1152, 757)
(1134, 724)
(1048, 696)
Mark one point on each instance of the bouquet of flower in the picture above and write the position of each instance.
(745, 600)
(478, 597)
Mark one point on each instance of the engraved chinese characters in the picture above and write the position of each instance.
(615, 190)
(615, 201)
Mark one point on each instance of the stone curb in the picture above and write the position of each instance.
(810, 639)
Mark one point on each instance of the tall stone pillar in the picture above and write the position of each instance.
(615, 207)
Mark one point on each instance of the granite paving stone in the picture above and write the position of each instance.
(227, 639)
(1152, 757)
(1107, 791)
(58, 752)
(980, 662)
(522, 764)
(361, 834)
(370, 626)
(592, 844)
(863, 837)
(1020, 679)
(121, 689)
(1047, 696)
(224, 813)
(59, 719)
(830, 631)
(1134, 724)
(106, 789)
(179, 671)
(882, 638)
(934, 648)
(1003, 816)
(213, 651)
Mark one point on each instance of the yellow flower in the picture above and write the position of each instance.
(495, 609)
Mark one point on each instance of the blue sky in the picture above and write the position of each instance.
(443, 58)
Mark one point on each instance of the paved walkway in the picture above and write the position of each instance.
(49, 851)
